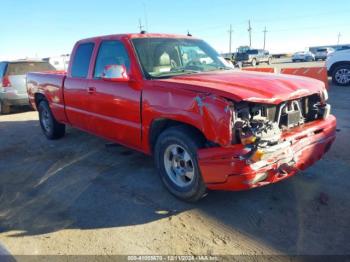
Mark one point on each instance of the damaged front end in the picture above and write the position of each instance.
(269, 143)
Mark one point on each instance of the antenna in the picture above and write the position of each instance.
(141, 26)
(146, 15)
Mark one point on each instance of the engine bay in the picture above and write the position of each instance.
(260, 126)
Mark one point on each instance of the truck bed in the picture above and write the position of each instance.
(49, 84)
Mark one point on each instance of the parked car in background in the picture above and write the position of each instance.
(176, 98)
(253, 57)
(13, 90)
(322, 53)
(338, 67)
(303, 56)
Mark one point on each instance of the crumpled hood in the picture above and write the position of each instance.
(251, 86)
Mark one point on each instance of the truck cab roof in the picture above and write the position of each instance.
(137, 35)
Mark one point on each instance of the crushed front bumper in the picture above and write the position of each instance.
(224, 168)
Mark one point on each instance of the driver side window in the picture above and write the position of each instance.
(111, 52)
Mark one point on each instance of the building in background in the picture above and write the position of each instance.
(59, 62)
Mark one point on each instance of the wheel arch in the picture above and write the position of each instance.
(159, 125)
(337, 64)
(38, 97)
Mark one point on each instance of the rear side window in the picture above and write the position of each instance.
(22, 68)
(81, 62)
(2, 69)
(111, 53)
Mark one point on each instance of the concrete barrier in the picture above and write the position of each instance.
(259, 69)
(319, 73)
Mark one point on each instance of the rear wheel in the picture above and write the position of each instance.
(50, 127)
(4, 108)
(254, 62)
(341, 75)
(269, 61)
(176, 160)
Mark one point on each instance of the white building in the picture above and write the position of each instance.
(59, 62)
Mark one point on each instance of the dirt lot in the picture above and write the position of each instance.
(80, 195)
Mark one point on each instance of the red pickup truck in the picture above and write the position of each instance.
(207, 125)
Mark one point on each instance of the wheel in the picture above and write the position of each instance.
(269, 61)
(4, 108)
(51, 128)
(341, 75)
(175, 157)
(254, 62)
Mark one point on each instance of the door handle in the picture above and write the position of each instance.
(91, 90)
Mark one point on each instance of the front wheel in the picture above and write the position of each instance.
(50, 127)
(341, 75)
(176, 161)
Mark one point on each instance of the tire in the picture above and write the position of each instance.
(174, 145)
(341, 75)
(254, 63)
(4, 108)
(50, 127)
(269, 61)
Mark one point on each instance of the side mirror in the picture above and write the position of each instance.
(115, 73)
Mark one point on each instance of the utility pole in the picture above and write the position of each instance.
(339, 35)
(265, 31)
(230, 41)
(250, 34)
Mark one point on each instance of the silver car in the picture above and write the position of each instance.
(304, 56)
(13, 90)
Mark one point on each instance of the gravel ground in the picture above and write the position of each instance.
(81, 195)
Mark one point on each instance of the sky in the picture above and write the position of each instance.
(43, 28)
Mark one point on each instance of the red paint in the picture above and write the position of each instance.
(124, 111)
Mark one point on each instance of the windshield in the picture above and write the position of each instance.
(166, 57)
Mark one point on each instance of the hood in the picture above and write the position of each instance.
(250, 86)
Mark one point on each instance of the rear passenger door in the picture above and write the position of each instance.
(76, 91)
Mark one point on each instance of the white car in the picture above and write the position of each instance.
(338, 67)
(303, 56)
(322, 53)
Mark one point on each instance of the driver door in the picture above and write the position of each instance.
(115, 106)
